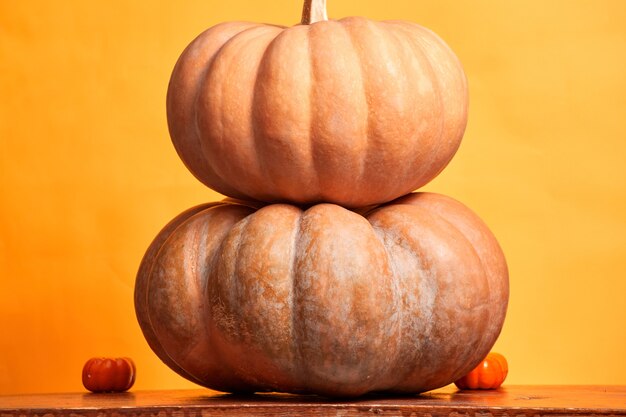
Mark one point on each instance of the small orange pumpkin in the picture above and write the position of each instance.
(109, 374)
(352, 111)
(405, 297)
(490, 373)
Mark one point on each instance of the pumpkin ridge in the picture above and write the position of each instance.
(198, 166)
(321, 223)
(318, 172)
(417, 140)
(200, 89)
(166, 247)
(198, 275)
(300, 372)
(285, 375)
(392, 376)
(254, 138)
(362, 161)
(197, 239)
(480, 225)
(382, 372)
(282, 338)
(367, 36)
(338, 114)
(425, 213)
(457, 134)
(259, 137)
(219, 321)
(368, 102)
(321, 149)
(220, 376)
(398, 49)
(225, 172)
(484, 343)
(144, 275)
(418, 49)
(461, 233)
(391, 236)
(302, 249)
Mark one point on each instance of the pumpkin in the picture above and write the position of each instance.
(490, 373)
(353, 111)
(109, 374)
(403, 298)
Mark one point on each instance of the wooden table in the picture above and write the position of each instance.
(508, 401)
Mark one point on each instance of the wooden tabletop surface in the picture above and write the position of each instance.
(508, 401)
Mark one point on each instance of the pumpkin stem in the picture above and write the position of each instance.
(313, 11)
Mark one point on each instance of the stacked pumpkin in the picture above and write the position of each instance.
(321, 274)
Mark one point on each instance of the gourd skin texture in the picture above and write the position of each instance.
(353, 112)
(405, 297)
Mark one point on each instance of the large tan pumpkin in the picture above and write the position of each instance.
(406, 297)
(352, 111)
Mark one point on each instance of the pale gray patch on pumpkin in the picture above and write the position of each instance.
(418, 288)
(346, 265)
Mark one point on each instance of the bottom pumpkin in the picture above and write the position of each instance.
(401, 298)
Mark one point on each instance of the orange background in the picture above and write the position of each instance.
(88, 175)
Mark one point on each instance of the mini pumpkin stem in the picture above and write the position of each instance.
(314, 11)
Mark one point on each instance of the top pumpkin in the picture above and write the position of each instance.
(352, 112)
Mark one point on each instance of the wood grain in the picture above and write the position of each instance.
(509, 401)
